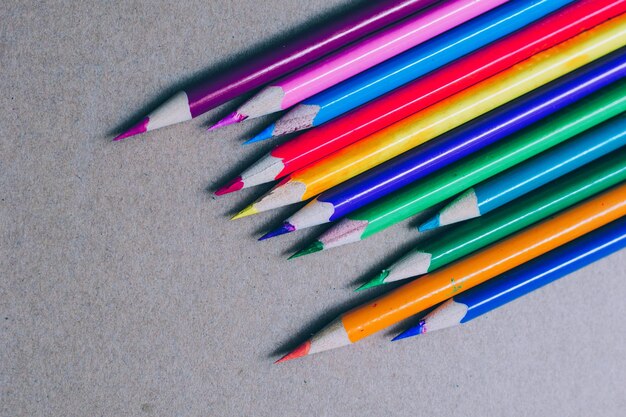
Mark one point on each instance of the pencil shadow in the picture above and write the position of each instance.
(396, 329)
(311, 237)
(240, 165)
(317, 324)
(240, 58)
(279, 219)
(358, 299)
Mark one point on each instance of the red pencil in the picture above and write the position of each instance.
(395, 106)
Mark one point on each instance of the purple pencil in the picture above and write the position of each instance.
(197, 100)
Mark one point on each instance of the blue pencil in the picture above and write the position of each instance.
(523, 279)
(410, 65)
(532, 174)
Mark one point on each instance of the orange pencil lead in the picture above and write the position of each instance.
(298, 352)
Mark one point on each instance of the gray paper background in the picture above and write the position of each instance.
(126, 291)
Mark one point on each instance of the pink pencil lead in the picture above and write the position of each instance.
(141, 127)
(231, 119)
(232, 186)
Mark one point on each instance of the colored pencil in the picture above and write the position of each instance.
(358, 57)
(532, 174)
(410, 65)
(187, 104)
(393, 107)
(448, 182)
(524, 279)
(444, 116)
(445, 150)
(431, 289)
(478, 233)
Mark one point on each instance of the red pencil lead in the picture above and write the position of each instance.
(298, 352)
(234, 185)
(141, 127)
(231, 119)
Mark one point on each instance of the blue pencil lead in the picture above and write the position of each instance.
(265, 134)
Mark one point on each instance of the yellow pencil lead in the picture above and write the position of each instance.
(248, 211)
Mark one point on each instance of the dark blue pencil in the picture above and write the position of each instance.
(523, 279)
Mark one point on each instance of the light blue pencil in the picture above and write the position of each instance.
(410, 65)
(532, 174)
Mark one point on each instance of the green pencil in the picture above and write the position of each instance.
(448, 182)
(513, 217)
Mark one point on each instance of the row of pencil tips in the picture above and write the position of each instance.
(505, 117)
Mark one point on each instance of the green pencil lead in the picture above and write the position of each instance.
(379, 280)
(314, 247)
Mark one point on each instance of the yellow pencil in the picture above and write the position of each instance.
(444, 116)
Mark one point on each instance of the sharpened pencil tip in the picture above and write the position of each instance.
(429, 224)
(420, 328)
(284, 229)
(139, 128)
(379, 280)
(265, 134)
(248, 211)
(231, 119)
(298, 352)
(234, 185)
(314, 247)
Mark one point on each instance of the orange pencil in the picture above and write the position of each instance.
(460, 276)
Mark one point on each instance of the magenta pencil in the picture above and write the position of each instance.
(358, 57)
(190, 103)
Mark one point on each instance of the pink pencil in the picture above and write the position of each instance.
(358, 57)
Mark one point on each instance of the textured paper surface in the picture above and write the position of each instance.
(126, 291)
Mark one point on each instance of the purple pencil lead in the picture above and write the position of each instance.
(284, 229)
(231, 119)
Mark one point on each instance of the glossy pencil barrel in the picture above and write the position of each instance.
(463, 275)
(525, 279)
(446, 115)
(532, 174)
(414, 63)
(450, 181)
(300, 52)
(361, 55)
(359, 123)
(473, 136)
(467, 273)
(478, 233)
(570, 122)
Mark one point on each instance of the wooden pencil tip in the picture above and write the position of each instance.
(316, 246)
(139, 128)
(267, 133)
(379, 280)
(285, 228)
(298, 352)
(234, 185)
(231, 119)
(248, 211)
